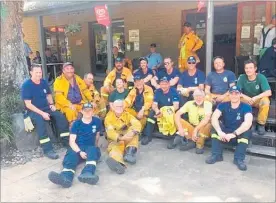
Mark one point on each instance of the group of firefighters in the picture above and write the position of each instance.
(184, 106)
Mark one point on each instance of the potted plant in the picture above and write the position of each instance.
(72, 29)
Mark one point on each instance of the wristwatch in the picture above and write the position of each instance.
(79, 152)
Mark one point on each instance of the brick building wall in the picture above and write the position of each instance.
(30, 29)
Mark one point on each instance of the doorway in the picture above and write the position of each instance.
(225, 24)
(98, 44)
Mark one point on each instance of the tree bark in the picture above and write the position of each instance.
(14, 69)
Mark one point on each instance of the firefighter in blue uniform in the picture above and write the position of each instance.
(38, 100)
(165, 103)
(231, 124)
(84, 136)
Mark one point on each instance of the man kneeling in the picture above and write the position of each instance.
(122, 131)
(84, 138)
(197, 127)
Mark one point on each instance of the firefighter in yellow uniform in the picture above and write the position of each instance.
(118, 72)
(122, 131)
(188, 45)
(70, 93)
(139, 100)
(98, 103)
(193, 131)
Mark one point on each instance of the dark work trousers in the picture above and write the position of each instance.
(72, 159)
(60, 123)
(241, 143)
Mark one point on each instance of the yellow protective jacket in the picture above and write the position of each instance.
(116, 126)
(61, 89)
(166, 123)
(94, 93)
(189, 44)
(147, 94)
(110, 78)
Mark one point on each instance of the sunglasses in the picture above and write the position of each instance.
(166, 63)
(191, 62)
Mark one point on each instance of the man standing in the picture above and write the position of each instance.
(144, 71)
(98, 103)
(122, 130)
(40, 105)
(267, 35)
(197, 127)
(171, 73)
(70, 92)
(165, 103)
(27, 52)
(154, 58)
(116, 54)
(139, 100)
(118, 72)
(255, 92)
(218, 82)
(231, 124)
(191, 79)
(84, 137)
(188, 45)
(268, 61)
(120, 93)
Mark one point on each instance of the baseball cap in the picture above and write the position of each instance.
(191, 59)
(234, 89)
(164, 79)
(137, 77)
(187, 24)
(87, 105)
(143, 59)
(67, 64)
(119, 59)
(153, 45)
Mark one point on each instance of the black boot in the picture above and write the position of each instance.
(177, 140)
(240, 164)
(59, 179)
(146, 139)
(115, 165)
(260, 129)
(130, 155)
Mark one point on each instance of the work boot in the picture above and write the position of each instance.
(59, 179)
(187, 146)
(89, 178)
(177, 140)
(52, 155)
(115, 165)
(260, 129)
(240, 164)
(145, 140)
(213, 159)
(199, 150)
(130, 155)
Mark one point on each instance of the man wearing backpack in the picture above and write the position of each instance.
(268, 34)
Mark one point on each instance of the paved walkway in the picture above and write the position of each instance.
(159, 175)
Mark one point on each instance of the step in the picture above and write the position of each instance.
(268, 139)
(262, 150)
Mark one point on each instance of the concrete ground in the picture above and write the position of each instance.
(159, 175)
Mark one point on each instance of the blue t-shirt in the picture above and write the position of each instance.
(139, 101)
(163, 73)
(192, 81)
(220, 82)
(37, 93)
(86, 133)
(232, 118)
(166, 99)
(154, 59)
(144, 75)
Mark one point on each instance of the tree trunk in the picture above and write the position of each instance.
(14, 69)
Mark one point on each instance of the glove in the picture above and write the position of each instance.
(28, 124)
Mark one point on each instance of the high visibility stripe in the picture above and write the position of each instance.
(185, 130)
(130, 88)
(68, 170)
(215, 136)
(64, 134)
(105, 95)
(109, 127)
(91, 162)
(151, 121)
(243, 140)
(104, 109)
(43, 141)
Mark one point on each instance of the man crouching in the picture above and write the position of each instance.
(83, 142)
(122, 131)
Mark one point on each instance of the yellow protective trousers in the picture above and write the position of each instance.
(71, 115)
(203, 132)
(143, 120)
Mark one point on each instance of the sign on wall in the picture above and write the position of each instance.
(133, 35)
(102, 15)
